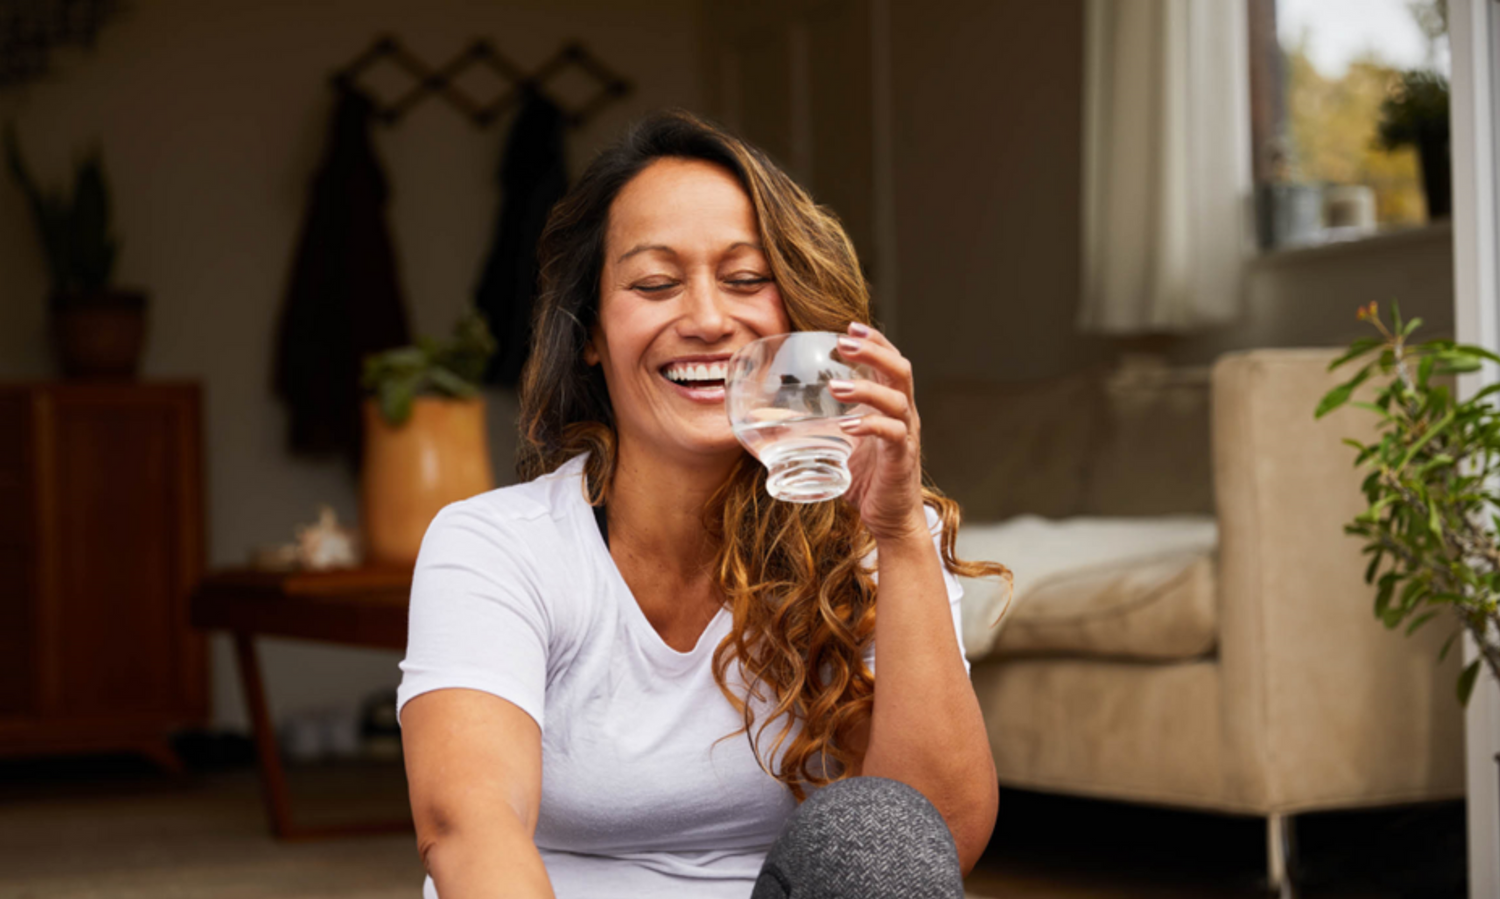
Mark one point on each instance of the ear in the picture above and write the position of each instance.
(591, 350)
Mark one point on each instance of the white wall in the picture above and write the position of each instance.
(212, 117)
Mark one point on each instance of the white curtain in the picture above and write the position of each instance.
(1166, 181)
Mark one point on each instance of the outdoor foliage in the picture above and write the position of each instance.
(74, 230)
(431, 368)
(1333, 128)
(1431, 527)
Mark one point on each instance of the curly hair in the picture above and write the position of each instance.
(795, 577)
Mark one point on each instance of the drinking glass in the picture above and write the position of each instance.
(776, 394)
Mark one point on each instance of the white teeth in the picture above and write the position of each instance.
(713, 371)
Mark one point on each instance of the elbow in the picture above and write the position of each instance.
(435, 828)
(972, 821)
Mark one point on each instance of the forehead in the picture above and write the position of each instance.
(681, 202)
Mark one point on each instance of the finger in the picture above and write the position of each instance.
(882, 357)
(885, 400)
(865, 332)
(881, 427)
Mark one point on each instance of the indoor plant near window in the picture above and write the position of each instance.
(98, 330)
(1431, 487)
(425, 440)
(1416, 114)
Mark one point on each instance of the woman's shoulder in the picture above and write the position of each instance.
(538, 517)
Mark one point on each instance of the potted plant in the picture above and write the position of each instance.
(425, 441)
(1431, 528)
(98, 330)
(1415, 114)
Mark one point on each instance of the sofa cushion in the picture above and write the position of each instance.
(1119, 588)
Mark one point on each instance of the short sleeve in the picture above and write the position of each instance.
(955, 593)
(477, 619)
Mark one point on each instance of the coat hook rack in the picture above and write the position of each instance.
(442, 81)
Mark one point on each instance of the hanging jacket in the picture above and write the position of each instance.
(533, 176)
(343, 299)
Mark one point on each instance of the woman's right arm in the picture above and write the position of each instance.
(474, 769)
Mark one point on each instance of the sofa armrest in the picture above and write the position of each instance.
(1323, 706)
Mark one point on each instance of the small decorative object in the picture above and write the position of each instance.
(1430, 486)
(98, 331)
(1416, 115)
(321, 546)
(326, 544)
(425, 439)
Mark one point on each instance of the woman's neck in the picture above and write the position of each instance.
(656, 508)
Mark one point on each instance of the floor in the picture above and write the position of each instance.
(116, 828)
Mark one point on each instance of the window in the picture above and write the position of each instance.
(1349, 117)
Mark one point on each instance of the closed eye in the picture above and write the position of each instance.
(748, 282)
(655, 288)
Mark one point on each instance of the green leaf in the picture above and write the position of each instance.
(1371, 407)
(1466, 682)
(1419, 621)
(1357, 348)
(1432, 432)
(450, 384)
(1411, 326)
(1479, 351)
(1448, 644)
(1383, 593)
(396, 397)
(1374, 564)
(1438, 461)
(1340, 394)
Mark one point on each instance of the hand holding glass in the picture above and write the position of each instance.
(776, 393)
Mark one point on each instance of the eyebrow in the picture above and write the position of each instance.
(663, 248)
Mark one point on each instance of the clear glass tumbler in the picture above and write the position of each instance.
(776, 393)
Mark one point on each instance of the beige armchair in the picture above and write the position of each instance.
(1286, 695)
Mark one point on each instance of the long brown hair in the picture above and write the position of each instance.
(794, 576)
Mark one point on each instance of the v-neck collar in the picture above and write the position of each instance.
(649, 639)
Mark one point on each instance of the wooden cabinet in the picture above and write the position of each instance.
(101, 545)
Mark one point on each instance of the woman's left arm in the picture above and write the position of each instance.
(926, 729)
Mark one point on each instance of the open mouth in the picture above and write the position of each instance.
(696, 375)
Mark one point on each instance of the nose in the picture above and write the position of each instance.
(705, 313)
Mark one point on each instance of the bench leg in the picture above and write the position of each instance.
(272, 775)
(1280, 849)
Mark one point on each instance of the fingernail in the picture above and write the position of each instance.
(859, 329)
(848, 424)
(849, 344)
(838, 385)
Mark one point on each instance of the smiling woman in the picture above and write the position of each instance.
(583, 646)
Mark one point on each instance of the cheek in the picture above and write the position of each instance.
(773, 318)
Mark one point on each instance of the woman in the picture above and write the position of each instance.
(624, 676)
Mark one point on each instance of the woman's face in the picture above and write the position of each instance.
(685, 284)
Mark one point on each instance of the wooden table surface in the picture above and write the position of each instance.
(354, 607)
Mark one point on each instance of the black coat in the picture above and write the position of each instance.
(533, 176)
(343, 300)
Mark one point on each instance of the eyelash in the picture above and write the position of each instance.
(741, 283)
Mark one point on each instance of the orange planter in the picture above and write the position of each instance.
(438, 456)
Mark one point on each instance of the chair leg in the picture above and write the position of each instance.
(1281, 848)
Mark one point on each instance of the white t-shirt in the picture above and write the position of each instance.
(515, 594)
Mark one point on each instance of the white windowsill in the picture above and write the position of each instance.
(1430, 234)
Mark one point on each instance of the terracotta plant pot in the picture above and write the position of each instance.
(99, 335)
(438, 456)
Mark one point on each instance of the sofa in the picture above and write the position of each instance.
(1190, 626)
